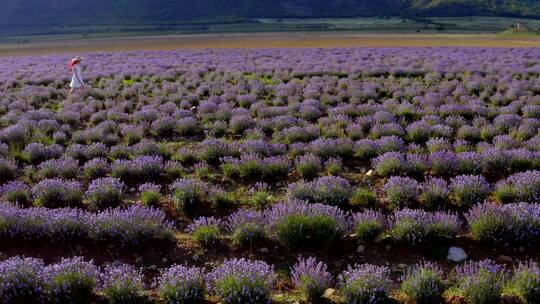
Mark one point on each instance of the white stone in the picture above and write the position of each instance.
(360, 248)
(456, 254)
(264, 250)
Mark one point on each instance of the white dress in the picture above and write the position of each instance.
(76, 80)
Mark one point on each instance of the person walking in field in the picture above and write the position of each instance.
(77, 82)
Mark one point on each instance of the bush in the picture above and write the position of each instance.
(105, 193)
(525, 283)
(366, 284)
(415, 226)
(401, 192)
(308, 166)
(206, 230)
(443, 163)
(189, 196)
(333, 166)
(132, 226)
(95, 168)
(21, 280)
(363, 197)
(468, 190)
(423, 284)
(331, 190)
(246, 227)
(242, 281)
(54, 193)
(182, 285)
(123, 284)
(298, 224)
(8, 170)
(390, 163)
(16, 192)
(435, 194)
(481, 282)
(65, 168)
(311, 278)
(368, 225)
(150, 194)
(520, 187)
(511, 223)
(71, 281)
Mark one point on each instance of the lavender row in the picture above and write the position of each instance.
(28, 280)
(191, 196)
(300, 225)
(128, 227)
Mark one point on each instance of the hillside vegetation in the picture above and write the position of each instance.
(60, 13)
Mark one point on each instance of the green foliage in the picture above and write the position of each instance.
(206, 235)
(296, 231)
(368, 230)
(363, 197)
(150, 198)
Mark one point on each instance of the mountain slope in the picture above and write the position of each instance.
(45, 13)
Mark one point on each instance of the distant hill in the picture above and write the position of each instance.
(29, 14)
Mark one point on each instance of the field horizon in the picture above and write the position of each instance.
(70, 44)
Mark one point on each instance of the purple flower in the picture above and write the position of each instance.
(105, 192)
(122, 284)
(57, 193)
(181, 284)
(21, 280)
(331, 190)
(246, 226)
(469, 190)
(70, 280)
(242, 281)
(131, 227)
(311, 277)
(401, 192)
(366, 284)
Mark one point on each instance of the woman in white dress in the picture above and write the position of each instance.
(77, 82)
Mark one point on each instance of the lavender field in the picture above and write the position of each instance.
(344, 175)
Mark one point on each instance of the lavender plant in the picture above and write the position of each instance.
(294, 223)
(423, 284)
(525, 282)
(57, 192)
(123, 284)
(21, 280)
(182, 285)
(242, 281)
(206, 230)
(70, 281)
(469, 190)
(365, 284)
(246, 227)
(331, 190)
(481, 282)
(105, 193)
(311, 277)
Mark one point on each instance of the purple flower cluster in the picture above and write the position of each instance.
(105, 192)
(181, 284)
(57, 193)
(511, 223)
(415, 226)
(242, 281)
(132, 226)
(246, 226)
(311, 277)
(366, 284)
(331, 190)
